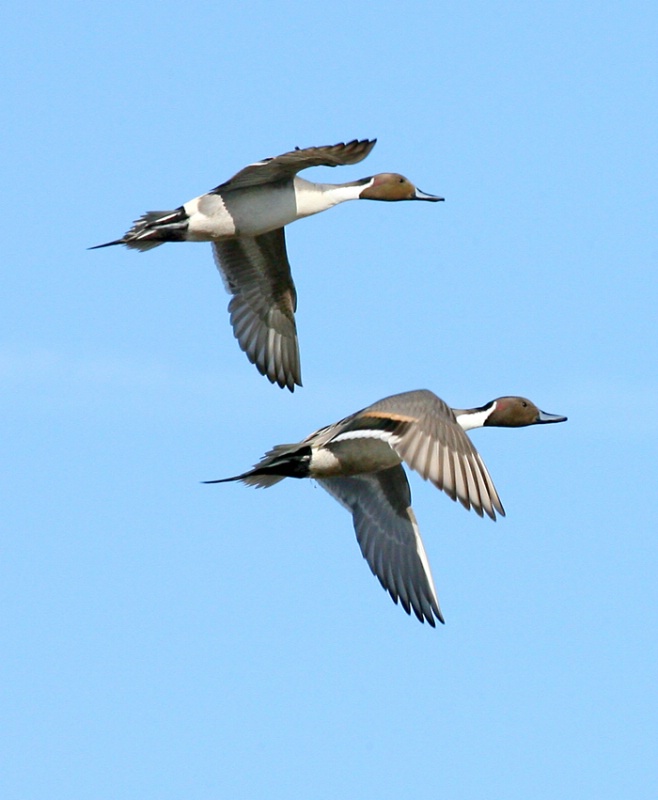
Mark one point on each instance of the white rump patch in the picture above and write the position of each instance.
(324, 462)
(208, 219)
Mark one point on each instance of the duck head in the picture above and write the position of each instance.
(391, 186)
(517, 412)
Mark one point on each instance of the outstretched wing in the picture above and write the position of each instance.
(388, 536)
(423, 431)
(256, 271)
(287, 165)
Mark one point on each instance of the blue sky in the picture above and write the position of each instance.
(166, 639)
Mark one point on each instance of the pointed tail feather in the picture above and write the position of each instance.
(252, 478)
(107, 244)
(283, 461)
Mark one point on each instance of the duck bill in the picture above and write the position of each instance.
(544, 417)
(424, 196)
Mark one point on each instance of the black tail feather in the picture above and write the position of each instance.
(283, 461)
(152, 229)
(107, 244)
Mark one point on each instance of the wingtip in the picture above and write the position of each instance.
(283, 383)
(432, 618)
(291, 384)
(436, 609)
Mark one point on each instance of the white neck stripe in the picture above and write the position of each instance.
(475, 419)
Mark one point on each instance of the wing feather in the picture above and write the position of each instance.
(256, 271)
(388, 535)
(287, 165)
(429, 439)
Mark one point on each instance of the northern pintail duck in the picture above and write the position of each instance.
(359, 459)
(244, 218)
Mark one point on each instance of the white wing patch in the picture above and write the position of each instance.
(383, 436)
(422, 555)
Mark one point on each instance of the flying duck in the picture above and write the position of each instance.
(244, 218)
(358, 460)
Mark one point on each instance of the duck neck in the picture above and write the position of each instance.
(470, 418)
(315, 197)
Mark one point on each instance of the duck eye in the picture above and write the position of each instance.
(525, 405)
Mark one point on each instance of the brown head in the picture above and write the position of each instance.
(391, 186)
(517, 412)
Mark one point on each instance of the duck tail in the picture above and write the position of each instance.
(152, 229)
(283, 461)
